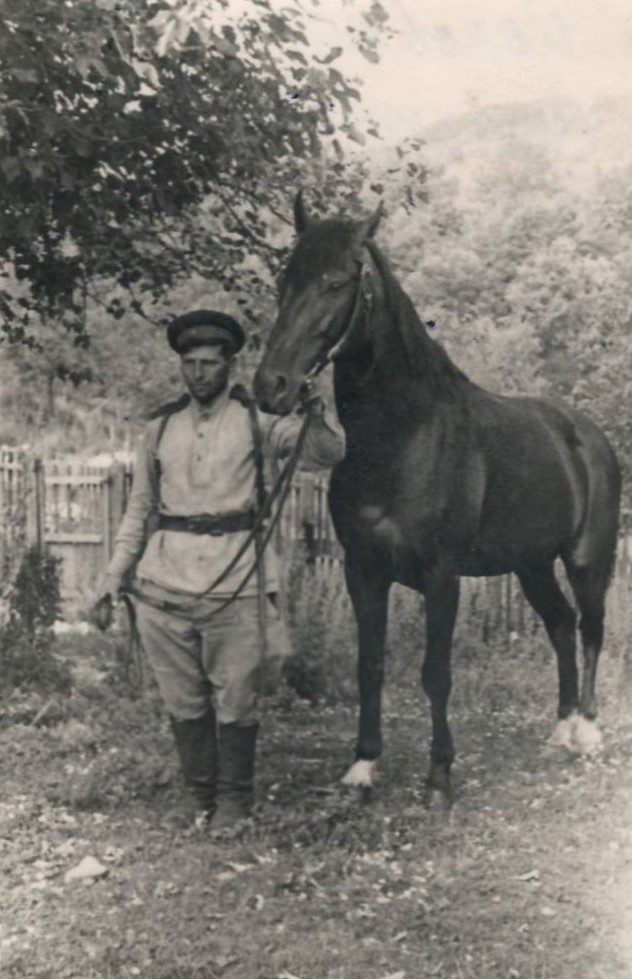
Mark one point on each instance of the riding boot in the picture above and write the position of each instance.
(196, 742)
(235, 775)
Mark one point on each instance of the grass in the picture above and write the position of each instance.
(530, 877)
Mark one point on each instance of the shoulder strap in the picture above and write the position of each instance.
(171, 407)
(164, 413)
(239, 393)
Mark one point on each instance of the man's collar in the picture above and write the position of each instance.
(201, 412)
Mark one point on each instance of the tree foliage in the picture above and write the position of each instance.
(526, 282)
(149, 139)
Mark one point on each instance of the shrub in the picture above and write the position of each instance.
(27, 643)
(29, 661)
(35, 597)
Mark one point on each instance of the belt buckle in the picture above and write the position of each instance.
(194, 524)
(202, 524)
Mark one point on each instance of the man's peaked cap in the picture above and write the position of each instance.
(205, 326)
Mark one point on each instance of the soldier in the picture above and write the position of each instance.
(198, 470)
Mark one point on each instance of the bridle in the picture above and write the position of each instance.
(363, 302)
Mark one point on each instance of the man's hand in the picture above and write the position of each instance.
(311, 402)
(102, 608)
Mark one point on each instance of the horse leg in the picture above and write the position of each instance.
(442, 602)
(368, 591)
(589, 584)
(546, 598)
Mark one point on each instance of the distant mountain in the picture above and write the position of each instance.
(581, 140)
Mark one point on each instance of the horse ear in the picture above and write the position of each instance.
(301, 221)
(369, 226)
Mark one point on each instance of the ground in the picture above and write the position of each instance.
(529, 876)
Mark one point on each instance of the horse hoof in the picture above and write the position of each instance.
(562, 736)
(438, 792)
(437, 800)
(361, 775)
(577, 734)
(587, 738)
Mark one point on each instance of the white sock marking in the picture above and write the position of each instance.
(360, 774)
(577, 734)
(562, 736)
(587, 738)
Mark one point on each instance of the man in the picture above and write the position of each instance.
(197, 470)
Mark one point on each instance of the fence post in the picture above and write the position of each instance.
(115, 506)
(35, 502)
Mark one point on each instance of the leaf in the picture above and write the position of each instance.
(11, 167)
(354, 134)
(88, 869)
(25, 75)
(165, 41)
(530, 875)
(225, 47)
(370, 54)
(333, 54)
(147, 71)
(35, 169)
(297, 56)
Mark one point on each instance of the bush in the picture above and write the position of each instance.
(27, 643)
(35, 597)
(29, 661)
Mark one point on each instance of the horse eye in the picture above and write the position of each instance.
(334, 284)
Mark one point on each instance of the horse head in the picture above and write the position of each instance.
(319, 293)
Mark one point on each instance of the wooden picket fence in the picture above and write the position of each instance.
(74, 508)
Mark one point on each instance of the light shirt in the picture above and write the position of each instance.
(206, 465)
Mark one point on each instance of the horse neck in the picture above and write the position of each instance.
(393, 367)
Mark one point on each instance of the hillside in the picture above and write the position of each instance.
(582, 141)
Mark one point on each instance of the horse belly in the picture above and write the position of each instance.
(525, 521)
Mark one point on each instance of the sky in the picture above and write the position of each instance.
(455, 55)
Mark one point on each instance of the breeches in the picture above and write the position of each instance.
(198, 660)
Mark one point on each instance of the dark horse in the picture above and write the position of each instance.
(441, 479)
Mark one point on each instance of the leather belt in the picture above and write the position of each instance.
(206, 523)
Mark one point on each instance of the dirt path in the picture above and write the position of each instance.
(530, 877)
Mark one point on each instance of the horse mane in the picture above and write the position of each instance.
(425, 357)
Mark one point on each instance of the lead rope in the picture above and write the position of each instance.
(280, 490)
(262, 591)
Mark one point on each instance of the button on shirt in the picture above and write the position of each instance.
(206, 465)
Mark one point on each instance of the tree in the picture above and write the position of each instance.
(145, 140)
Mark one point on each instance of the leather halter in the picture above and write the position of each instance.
(363, 298)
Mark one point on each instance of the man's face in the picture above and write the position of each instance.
(205, 372)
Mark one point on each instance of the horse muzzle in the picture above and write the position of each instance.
(275, 392)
